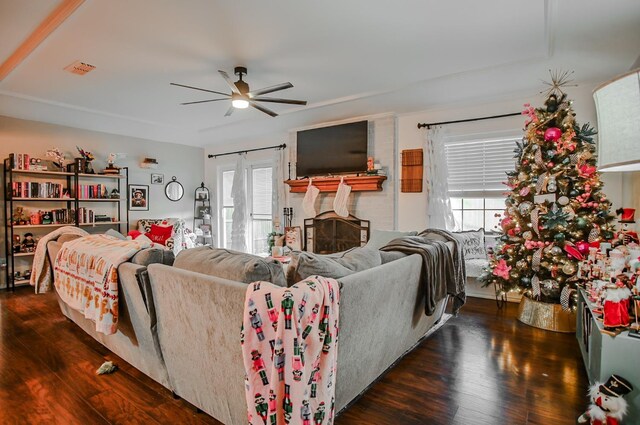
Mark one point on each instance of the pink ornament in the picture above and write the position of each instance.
(525, 191)
(552, 134)
(502, 269)
(583, 247)
(550, 164)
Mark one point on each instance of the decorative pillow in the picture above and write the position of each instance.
(144, 224)
(472, 242)
(133, 234)
(333, 265)
(159, 234)
(380, 238)
(232, 265)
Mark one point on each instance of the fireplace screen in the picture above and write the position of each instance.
(328, 233)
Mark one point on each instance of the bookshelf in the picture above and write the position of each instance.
(71, 206)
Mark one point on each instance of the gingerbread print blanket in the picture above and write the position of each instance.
(290, 351)
(86, 276)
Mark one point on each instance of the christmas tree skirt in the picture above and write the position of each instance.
(547, 316)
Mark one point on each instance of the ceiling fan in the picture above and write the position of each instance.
(241, 97)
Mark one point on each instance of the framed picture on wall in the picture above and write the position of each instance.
(157, 178)
(138, 197)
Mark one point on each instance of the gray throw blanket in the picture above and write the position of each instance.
(443, 272)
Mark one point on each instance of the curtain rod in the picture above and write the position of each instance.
(429, 125)
(282, 146)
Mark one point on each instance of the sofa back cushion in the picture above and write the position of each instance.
(472, 243)
(338, 265)
(232, 265)
(380, 238)
(153, 256)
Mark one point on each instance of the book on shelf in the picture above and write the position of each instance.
(28, 189)
(24, 162)
(85, 215)
(93, 191)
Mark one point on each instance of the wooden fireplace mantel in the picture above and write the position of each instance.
(330, 184)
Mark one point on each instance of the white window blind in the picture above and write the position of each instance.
(477, 167)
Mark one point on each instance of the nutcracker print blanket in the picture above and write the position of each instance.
(290, 350)
(86, 276)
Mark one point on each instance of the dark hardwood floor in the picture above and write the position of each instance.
(482, 367)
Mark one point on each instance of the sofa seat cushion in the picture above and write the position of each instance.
(335, 266)
(476, 266)
(232, 265)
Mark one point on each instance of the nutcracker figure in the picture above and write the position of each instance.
(312, 319)
(258, 366)
(616, 303)
(305, 413)
(296, 361)
(279, 362)
(607, 405)
(626, 235)
(271, 311)
(256, 323)
(301, 306)
(287, 308)
(272, 408)
(323, 326)
(318, 417)
(287, 406)
(261, 407)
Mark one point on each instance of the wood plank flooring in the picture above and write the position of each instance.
(482, 367)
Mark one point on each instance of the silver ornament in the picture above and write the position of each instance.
(563, 200)
(525, 207)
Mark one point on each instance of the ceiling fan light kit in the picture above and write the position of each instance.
(242, 97)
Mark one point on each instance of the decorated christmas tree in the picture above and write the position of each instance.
(555, 209)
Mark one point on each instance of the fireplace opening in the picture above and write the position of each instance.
(328, 233)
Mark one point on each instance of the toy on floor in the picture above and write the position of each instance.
(607, 405)
(106, 368)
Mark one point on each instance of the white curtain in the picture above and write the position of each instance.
(278, 187)
(439, 212)
(239, 216)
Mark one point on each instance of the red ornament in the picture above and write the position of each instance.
(583, 247)
(552, 134)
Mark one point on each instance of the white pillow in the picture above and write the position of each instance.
(472, 242)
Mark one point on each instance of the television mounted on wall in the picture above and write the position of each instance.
(338, 149)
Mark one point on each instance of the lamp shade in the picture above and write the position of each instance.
(618, 109)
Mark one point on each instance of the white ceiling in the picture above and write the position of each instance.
(345, 58)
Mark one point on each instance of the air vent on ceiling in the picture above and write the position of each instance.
(79, 68)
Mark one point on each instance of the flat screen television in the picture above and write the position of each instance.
(338, 149)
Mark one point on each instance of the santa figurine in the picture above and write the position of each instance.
(616, 303)
(607, 405)
(627, 234)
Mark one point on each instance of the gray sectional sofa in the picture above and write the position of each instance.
(182, 328)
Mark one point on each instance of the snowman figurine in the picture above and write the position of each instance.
(607, 405)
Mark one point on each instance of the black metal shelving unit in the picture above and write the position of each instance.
(202, 199)
(73, 179)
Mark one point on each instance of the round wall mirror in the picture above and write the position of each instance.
(174, 190)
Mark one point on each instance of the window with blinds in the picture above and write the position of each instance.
(477, 167)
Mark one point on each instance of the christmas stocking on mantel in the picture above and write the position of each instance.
(309, 201)
(342, 197)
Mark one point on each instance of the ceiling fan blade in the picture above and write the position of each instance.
(202, 101)
(197, 88)
(279, 100)
(270, 89)
(230, 111)
(228, 81)
(263, 109)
